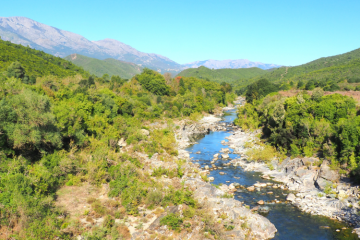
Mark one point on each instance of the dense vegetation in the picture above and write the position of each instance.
(305, 125)
(61, 131)
(36, 63)
(330, 73)
(108, 66)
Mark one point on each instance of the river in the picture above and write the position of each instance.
(290, 222)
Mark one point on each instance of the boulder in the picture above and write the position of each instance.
(261, 202)
(145, 132)
(211, 179)
(122, 143)
(225, 156)
(327, 173)
(251, 189)
(321, 183)
(263, 209)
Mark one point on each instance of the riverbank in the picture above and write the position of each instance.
(319, 190)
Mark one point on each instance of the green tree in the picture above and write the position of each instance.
(28, 124)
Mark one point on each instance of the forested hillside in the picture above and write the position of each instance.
(222, 75)
(36, 63)
(63, 137)
(335, 68)
(108, 66)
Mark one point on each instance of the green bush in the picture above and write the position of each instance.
(172, 220)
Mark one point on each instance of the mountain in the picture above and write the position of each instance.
(62, 43)
(240, 63)
(222, 75)
(36, 63)
(109, 66)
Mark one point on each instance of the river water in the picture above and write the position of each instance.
(290, 222)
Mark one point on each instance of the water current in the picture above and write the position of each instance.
(290, 222)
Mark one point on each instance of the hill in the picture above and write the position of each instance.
(62, 43)
(239, 63)
(36, 63)
(337, 68)
(222, 75)
(109, 66)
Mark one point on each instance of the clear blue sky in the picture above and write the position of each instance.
(281, 32)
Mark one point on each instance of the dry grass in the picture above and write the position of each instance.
(124, 232)
(73, 198)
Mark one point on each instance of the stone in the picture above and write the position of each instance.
(327, 173)
(211, 179)
(291, 197)
(198, 152)
(145, 132)
(206, 167)
(221, 173)
(225, 156)
(261, 202)
(251, 189)
(263, 209)
(225, 150)
(122, 143)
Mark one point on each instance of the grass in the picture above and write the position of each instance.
(263, 153)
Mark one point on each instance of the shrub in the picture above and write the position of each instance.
(172, 220)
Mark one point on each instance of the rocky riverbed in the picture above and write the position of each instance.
(315, 187)
(246, 223)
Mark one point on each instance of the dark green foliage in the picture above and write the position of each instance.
(259, 89)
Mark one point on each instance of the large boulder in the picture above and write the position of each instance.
(289, 166)
(321, 183)
(327, 173)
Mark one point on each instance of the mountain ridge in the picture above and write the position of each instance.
(25, 31)
(52, 40)
(229, 63)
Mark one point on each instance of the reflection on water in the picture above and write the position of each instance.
(289, 221)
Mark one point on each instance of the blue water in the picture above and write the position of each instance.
(290, 222)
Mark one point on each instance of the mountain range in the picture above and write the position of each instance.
(239, 63)
(27, 32)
